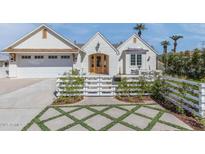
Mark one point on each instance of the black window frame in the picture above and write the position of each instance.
(133, 63)
(38, 57)
(25, 57)
(65, 57)
(139, 60)
(52, 57)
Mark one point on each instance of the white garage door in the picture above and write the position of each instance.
(43, 66)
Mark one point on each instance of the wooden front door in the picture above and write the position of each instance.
(98, 63)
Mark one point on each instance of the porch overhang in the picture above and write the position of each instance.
(136, 50)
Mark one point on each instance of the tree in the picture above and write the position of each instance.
(140, 28)
(165, 44)
(175, 38)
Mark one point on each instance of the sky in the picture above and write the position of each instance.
(194, 34)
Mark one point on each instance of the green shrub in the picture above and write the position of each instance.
(185, 64)
(158, 88)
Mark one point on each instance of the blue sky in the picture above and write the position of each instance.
(114, 32)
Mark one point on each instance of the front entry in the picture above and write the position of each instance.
(98, 63)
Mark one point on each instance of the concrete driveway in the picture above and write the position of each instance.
(22, 99)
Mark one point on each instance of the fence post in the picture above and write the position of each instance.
(202, 99)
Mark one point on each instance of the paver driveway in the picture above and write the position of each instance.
(22, 99)
(112, 117)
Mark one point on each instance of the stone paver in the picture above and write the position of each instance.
(82, 113)
(58, 123)
(115, 112)
(163, 127)
(99, 108)
(137, 121)
(77, 128)
(68, 109)
(35, 127)
(112, 117)
(157, 106)
(172, 119)
(120, 127)
(49, 113)
(148, 112)
(98, 122)
(128, 107)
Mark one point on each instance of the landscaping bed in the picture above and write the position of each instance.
(195, 122)
(134, 99)
(67, 100)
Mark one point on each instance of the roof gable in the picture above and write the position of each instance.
(98, 34)
(141, 41)
(34, 40)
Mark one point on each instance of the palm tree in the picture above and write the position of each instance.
(165, 44)
(175, 38)
(140, 28)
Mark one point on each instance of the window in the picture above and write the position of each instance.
(52, 57)
(25, 57)
(134, 40)
(65, 57)
(139, 60)
(39, 57)
(44, 33)
(132, 60)
(98, 62)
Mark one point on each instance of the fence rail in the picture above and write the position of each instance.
(100, 86)
(189, 95)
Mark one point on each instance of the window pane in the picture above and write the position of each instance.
(132, 60)
(139, 59)
(98, 61)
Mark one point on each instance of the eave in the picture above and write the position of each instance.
(42, 50)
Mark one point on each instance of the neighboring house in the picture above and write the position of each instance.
(4, 59)
(44, 53)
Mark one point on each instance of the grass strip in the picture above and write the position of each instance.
(154, 121)
(33, 120)
(173, 125)
(76, 121)
(118, 120)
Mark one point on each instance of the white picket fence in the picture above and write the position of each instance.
(99, 85)
(187, 94)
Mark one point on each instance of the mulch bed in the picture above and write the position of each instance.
(187, 117)
(135, 99)
(67, 100)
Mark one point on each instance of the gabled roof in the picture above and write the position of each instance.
(43, 26)
(142, 40)
(103, 37)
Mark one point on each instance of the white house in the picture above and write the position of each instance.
(45, 54)
(4, 58)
